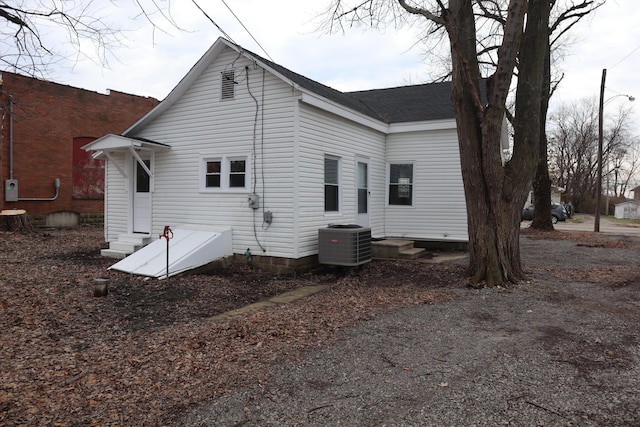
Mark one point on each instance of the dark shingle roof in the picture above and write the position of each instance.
(392, 105)
(410, 103)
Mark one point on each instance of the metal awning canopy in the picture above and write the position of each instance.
(112, 143)
(103, 148)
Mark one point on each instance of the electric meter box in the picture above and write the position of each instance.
(11, 190)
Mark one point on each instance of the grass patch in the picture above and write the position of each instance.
(577, 219)
(625, 221)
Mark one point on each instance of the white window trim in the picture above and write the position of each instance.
(413, 184)
(340, 201)
(225, 170)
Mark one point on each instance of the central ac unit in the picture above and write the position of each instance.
(347, 245)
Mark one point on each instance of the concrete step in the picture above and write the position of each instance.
(114, 253)
(137, 238)
(125, 246)
(413, 253)
(396, 248)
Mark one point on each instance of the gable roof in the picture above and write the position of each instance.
(404, 104)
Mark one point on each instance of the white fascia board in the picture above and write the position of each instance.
(112, 142)
(446, 124)
(107, 142)
(339, 110)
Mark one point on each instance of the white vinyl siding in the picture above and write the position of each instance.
(284, 144)
(117, 198)
(438, 210)
(200, 126)
(322, 133)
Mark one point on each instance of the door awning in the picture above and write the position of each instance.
(113, 143)
(103, 148)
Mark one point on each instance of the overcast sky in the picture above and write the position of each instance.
(155, 61)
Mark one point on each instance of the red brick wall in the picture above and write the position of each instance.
(46, 118)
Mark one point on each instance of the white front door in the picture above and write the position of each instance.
(362, 192)
(141, 209)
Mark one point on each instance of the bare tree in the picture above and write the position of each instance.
(573, 140)
(626, 170)
(495, 191)
(38, 33)
(564, 16)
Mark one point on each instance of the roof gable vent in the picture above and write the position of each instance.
(227, 84)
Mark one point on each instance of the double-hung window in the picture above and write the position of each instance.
(331, 184)
(401, 184)
(213, 173)
(224, 173)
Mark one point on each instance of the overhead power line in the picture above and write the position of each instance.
(247, 30)
(224, 33)
(213, 22)
(626, 56)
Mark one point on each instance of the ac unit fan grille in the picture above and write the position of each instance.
(344, 246)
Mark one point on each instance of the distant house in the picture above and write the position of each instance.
(629, 209)
(44, 125)
(246, 145)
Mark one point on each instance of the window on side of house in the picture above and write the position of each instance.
(331, 184)
(401, 184)
(224, 173)
(213, 173)
(227, 85)
(237, 172)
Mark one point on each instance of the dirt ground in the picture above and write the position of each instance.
(398, 343)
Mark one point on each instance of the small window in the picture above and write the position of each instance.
(213, 174)
(143, 180)
(224, 173)
(331, 184)
(401, 184)
(228, 85)
(237, 173)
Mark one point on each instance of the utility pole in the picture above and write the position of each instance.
(596, 223)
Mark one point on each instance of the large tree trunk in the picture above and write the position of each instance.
(542, 181)
(495, 193)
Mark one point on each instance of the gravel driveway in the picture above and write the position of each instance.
(560, 350)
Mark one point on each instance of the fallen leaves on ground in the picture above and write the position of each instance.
(148, 351)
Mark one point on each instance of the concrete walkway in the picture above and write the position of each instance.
(283, 298)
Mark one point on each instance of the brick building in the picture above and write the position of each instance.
(43, 125)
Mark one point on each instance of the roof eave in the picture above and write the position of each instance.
(426, 125)
(311, 98)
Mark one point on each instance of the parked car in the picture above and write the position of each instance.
(558, 213)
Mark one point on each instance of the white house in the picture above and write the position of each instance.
(244, 144)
